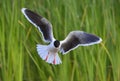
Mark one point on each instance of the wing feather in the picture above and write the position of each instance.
(78, 38)
(44, 26)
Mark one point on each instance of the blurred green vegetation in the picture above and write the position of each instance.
(19, 60)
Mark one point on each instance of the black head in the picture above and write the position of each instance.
(56, 43)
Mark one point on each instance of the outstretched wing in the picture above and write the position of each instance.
(78, 38)
(41, 23)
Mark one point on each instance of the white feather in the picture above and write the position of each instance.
(42, 51)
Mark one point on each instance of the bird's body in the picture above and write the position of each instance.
(49, 53)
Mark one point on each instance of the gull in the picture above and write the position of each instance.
(49, 52)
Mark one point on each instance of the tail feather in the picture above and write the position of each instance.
(42, 51)
(58, 59)
(48, 56)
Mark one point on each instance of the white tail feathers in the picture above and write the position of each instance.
(48, 56)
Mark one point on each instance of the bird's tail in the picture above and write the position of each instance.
(48, 56)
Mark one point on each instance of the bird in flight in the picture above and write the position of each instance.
(49, 53)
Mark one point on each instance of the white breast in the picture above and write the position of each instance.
(52, 48)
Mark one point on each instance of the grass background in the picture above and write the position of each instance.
(19, 60)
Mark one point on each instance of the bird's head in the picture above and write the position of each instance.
(56, 43)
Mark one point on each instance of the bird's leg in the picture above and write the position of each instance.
(54, 61)
(47, 57)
